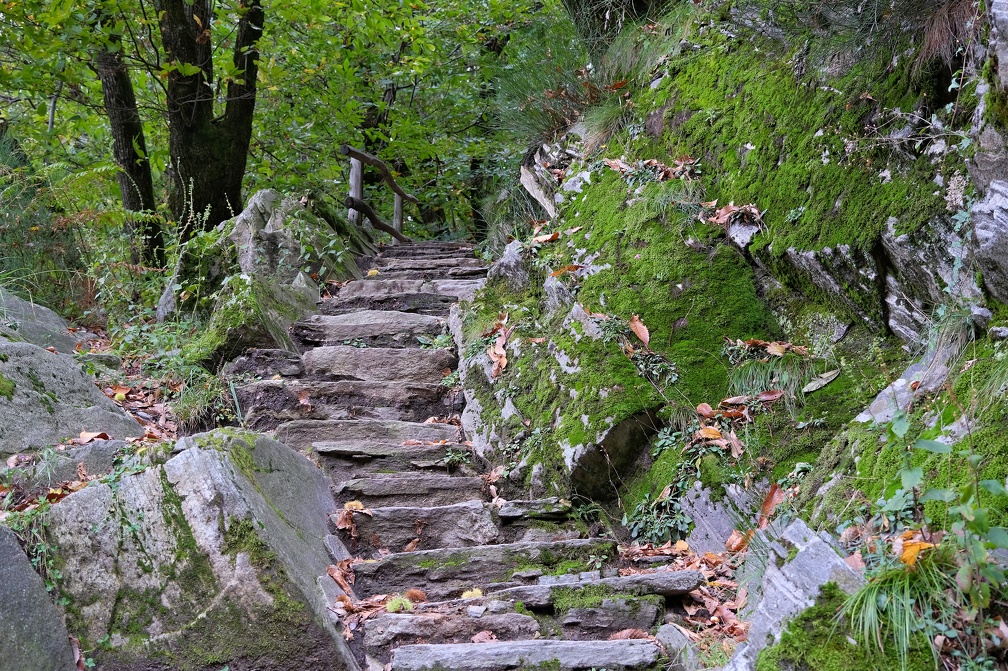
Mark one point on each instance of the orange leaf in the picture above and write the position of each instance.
(709, 432)
(704, 410)
(484, 636)
(566, 269)
(911, 549)
(629, 634)
(774, 497)
(637, 326)
(547, 237)
(738, 542)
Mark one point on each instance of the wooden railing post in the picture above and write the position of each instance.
(356, 188)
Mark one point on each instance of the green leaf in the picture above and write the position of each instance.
(911, 477)
(900, 425)
(934, 494)
(995, 487)
(998, 536)
(932, 446)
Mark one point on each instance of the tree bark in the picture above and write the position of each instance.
(208, 153)
(130, 151)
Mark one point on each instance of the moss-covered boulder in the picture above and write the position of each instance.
(209, 559)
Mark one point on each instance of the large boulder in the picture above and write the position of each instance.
(33, 636)
(24, 321)
(990, 217)
(46, 398)
(216, 557)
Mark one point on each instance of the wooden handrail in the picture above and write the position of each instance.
(376, 162)
(359, 205)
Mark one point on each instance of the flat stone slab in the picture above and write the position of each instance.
(399, 628)
(447, 573)
(508, 655)
(268, 403)
(662, 583)
(33, 636)
(24, 321)
(541, 509)
(409, 489)
(340, 362)
(302, 434)
(45, 398)
(373, 328)
(433, 274)
(419, 263)
(459, 525)
(612, 615)
(424, 249)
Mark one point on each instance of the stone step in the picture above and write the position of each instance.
(410, 489)
(460, 525)
(417, 303)
(302, 434)
(426, 264)
(340, 362)
(448, 572)
(269, 403)
(423, 249)
(509, 655)
(432, 274)
(661, 583)
(394, 629)
(384, 288)
(372, 328)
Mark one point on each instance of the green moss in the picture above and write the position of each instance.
(6, 387)
(589, 596)
(816, 641)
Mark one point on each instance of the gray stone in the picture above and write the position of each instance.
(791, 588)
(540, 189)
(664, 583)
(396, 629)
(682, 654)
(374, 328)
(611, 615)
(24, 321)
(540, 509)
(558, 296)
(459, 525)
(302, 434)
(51, 400)
(410, 490)
(340, 362)
(990, 219)
(508, 655)
(577, 181)
(475, 611)
(265, 363)
(742, 233)
(157, 529)
(510, 268)
(33, 636)
(448, 572)
(714, 521)
(998, 333)
(925, 376)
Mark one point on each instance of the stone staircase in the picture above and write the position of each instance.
(523, 578)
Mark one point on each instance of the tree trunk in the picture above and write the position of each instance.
(130, 152)
(208, 153)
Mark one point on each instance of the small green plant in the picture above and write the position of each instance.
(657, 521)
(30, 526)
(399, 604)
(451, 380)
(457, 456)
(441, 341)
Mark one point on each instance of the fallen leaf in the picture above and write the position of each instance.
(737, 542)
(769, 396)
(776, 348)
(704, 410)
(855, 561)
(736, 400)
(629, 635)
(484, 636)
(737, 448)
(546, 237)
(820, 381)
(412, 545)
(681, 546)
(572, 231)
(537, 341)
(637, 326)
(89, 437)
(78, 657)
(709, 432)
(573, 268)
(911, 549)
(774, 497)
(303, 400)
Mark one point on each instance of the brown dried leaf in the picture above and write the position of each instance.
(776, 348)
(737, 448)
(704, 410)
(709, 433)
(774, 497)
(412, 545)
(738, 541)
(415, 595)
(855, 561)
(546, 237)
(637, 326)
(629, 635)
(572, 268)
(770, 396)
(484, 636)
(303, 400)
